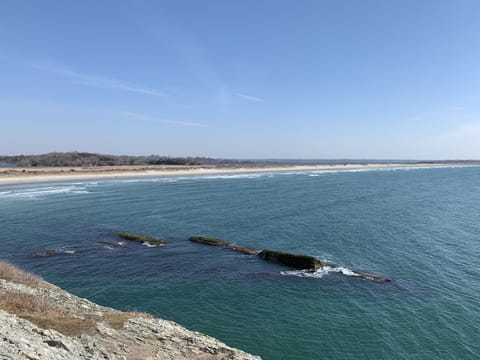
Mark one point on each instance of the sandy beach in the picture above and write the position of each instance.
(9, 176)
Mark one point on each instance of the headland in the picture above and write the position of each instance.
(39, 320)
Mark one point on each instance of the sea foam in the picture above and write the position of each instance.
(321, 272)
(43, 191)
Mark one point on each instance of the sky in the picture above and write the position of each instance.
(250, 79)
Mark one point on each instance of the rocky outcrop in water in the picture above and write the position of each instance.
(141, 238)
(41, 321)
(302, 262)
(209, 241)
(222, 243)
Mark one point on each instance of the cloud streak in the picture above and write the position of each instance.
(98, 81)
(154, 120)
(249, 97)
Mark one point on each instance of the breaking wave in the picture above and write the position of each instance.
(321, 272)
(44, 191)
(147, 244)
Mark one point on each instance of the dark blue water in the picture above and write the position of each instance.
(419, 226)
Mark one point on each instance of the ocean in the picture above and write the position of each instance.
(420, 227)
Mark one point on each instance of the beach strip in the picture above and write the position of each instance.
(10, 176)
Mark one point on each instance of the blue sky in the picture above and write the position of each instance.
(242, 79)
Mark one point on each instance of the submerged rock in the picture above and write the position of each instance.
(302, 262)
(47, 253)
(50, 253)
(373, 277)
(117, 244)
(141, 238)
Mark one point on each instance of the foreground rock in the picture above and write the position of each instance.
(41, 321)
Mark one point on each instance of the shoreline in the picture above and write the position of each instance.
(15, 176)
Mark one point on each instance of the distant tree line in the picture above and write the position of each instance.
(86, 159)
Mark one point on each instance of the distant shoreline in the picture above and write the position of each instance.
(11, 176)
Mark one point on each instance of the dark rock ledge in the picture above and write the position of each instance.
(301, 262)
(141, 238)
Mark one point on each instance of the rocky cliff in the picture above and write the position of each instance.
(41, 321)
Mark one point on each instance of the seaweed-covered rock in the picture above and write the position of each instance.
(209, 241)
(222, 243)
(302, 262)
(244, 250)
(141, 238)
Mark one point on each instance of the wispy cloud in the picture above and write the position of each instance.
(97, 81)
(95, 114)
(153, 120)
(249, 97)
(225, 96)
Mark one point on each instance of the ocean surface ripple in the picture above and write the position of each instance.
(418, 226)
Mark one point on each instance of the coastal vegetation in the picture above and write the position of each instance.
(86, 159)
(12, 273)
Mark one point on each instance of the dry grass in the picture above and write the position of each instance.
(64, 324)
(11, 273)
(117, 320)
(44, 313)
(16, 303)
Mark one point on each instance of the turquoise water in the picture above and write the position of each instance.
(419, 226)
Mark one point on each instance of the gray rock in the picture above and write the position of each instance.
(112, 335)
(23, 340)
